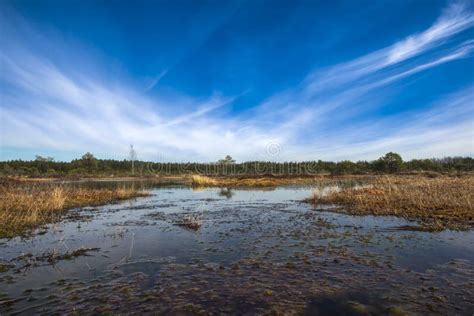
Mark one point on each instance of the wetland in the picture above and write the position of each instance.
(184, 249)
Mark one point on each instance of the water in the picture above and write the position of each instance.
(256, 251)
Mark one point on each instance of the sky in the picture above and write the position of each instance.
(258, 80)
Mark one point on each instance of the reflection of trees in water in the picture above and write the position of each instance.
(226, 192)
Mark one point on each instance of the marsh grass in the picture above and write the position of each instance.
(437, 203)
(191, 221)
(25, 206)
(198, 180)
(257, 181)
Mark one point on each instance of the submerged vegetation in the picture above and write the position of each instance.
(26, 205)
(437, 203)
(260, 253)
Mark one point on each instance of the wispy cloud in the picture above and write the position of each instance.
(338, 94)
(445, 128)
(45, 105)
(154, 81)
(456, 18)
(48, 109)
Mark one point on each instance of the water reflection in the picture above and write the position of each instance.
(255, 251)
(226, 192)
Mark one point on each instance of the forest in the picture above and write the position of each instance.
(90, 166)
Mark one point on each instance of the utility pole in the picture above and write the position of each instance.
(133, 156)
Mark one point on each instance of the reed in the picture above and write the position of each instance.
(437, 203)
(25, 206)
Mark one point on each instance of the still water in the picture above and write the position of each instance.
(257, 251)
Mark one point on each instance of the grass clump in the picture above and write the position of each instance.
(25, 205)
(198, 180)
(191, 221)
(437, 203)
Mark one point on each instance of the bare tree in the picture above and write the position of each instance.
(133, 157)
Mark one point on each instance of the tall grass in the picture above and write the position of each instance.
(260, 181)
(24, 206)
(198, 180)
(442, 202)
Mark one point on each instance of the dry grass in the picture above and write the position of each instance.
(191, 221)
(258, 181)
(25, 206)
(198, 180)
(437, 203)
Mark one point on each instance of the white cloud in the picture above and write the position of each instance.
(454, 20)
(46, 106)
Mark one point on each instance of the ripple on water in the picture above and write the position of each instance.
(255, 251)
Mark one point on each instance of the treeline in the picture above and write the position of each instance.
(88, 165)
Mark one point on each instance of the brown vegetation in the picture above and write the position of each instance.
(25, 205)
(437, 203)
(191, 221)
(268, 180)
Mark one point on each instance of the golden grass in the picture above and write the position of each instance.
(249, 181)
(25, 206)
(437, 203)
(198, 180)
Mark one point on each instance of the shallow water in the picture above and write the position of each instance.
(256, 251)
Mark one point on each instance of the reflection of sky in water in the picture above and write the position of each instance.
(237, 223)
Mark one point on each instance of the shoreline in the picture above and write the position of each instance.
(234, 177)
(26, 206)
(436, 203)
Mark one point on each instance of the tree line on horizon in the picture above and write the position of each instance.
(88, 165)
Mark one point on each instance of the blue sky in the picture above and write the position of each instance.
(259, 80)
